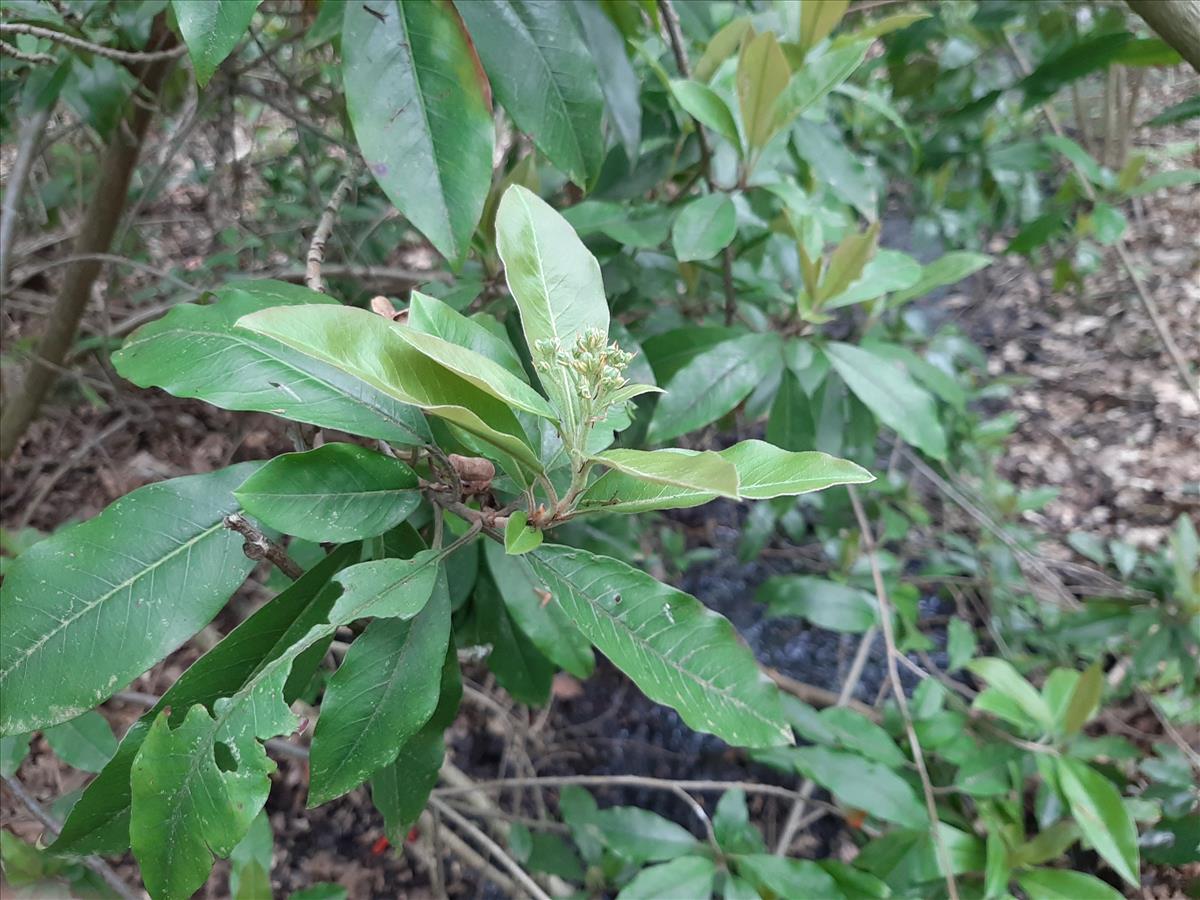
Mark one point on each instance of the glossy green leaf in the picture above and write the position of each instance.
(836, 166)
(618, 81)
(816, 79)
(703, 228)
(250, 862)
(386, 588)
(724, 44)
(211, 29)
(1001, 676)
(1060, 884)
(708, 108)
(99, 822)
(703, 471)
(888, 392)
(641, 225)
(762, 75)
(642, 836)
(519, 537)
(677, 651)
(1097, 808)
(827, 604)
(386, 688)
(554, 280)
(950, 268)
(543, 622)
(786, 877)
(421, 110)
(186, 805)
(764, 471)
(1084, 699)
(432, 316)
(863, 783)
(85, 742)
(1071, 63)
(887, 271)
(191, 350)
(480, 371)
(366, 347)
(848, 260)
(336, 493)
(544, 76)
(688, 876)
(713, 383)
(818, 18)
(158, 563)
(519, 668)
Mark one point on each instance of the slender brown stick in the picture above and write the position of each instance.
(259, 546)
(97, 865)
(125, 56)
(316, 249)
(28, 138)
(889, 639)
(497, 852)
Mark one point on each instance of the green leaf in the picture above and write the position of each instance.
(385, 690)
(618, 81)
(786, 877)
(817, 78)
(688, 876)
(544, 76)
(713, 383)
(543, 622)
(211, 29)
(1085, 698)
(883, 26)
(731, 825)
(1077, 155)
(1151, 51)
(704, 228)
(764, 471)
(848, 260)
(723, 45)
(703, 471)
(519, 537)
(186, 804)
(960, 643)
(1001, 676)
(99, 822)
(421, 110)
(386, 588)
(1072, 63)
(13, 751)
(85, 742)
(1106, 223)
(1059, 884)
(158, 564)
(555, 282)
(432, 316)
(888, 392)
(326, 891)
(855, 732)
(367, 348)
(1160, 180)
(863, 783)
(677, 651)
(1179, 112)
(1097, 808)
(250, 862)
(642, 836)
(817, 21)
(642, 225)
(480, 371)
(854, 883)
(826, 604)
(191, 350)
(762, 75)
(950, 268)
(835, 165)
(518, 666)
(708, 108)
(887, 271)
(336, 493)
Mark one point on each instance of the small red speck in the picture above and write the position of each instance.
(413, 834)
(379, 846)
(855, 818)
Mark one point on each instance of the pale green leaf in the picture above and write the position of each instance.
(1061, 884)
(519, 536)
(708, 108)
(688, 876)
(704, 471)
(863, 783)
(386, 588)
(762, 75)
(85, 742)
(432, 316)
(1085, 698)
(816, 79)
(211, 29)
(847, 262)
(724, 44)
(1001, 676)
(1096, 806)
(786, 877)
(704, 228)
(827, 604)
(949, 268)
(642, 836)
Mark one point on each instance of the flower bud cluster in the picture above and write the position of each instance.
(594, 366)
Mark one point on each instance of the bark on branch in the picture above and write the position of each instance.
(1175, 21)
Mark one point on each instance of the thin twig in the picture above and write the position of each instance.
(483, 840)
(640, 781)
(37, 59)
(28, 138)
(316, 248)
(818, 696)
(430, 858)
(259, 546)
(67, 40)
(889, 639)
(97, 865)
(77, 456)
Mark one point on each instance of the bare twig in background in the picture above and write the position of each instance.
(316, 248)
(97, 865)
(259, 546)
(885, 622)
(124, 56)
(675, 37)
(28, 137)
(77, 456)
(38, 59)
(497, 852)
(819, 696)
